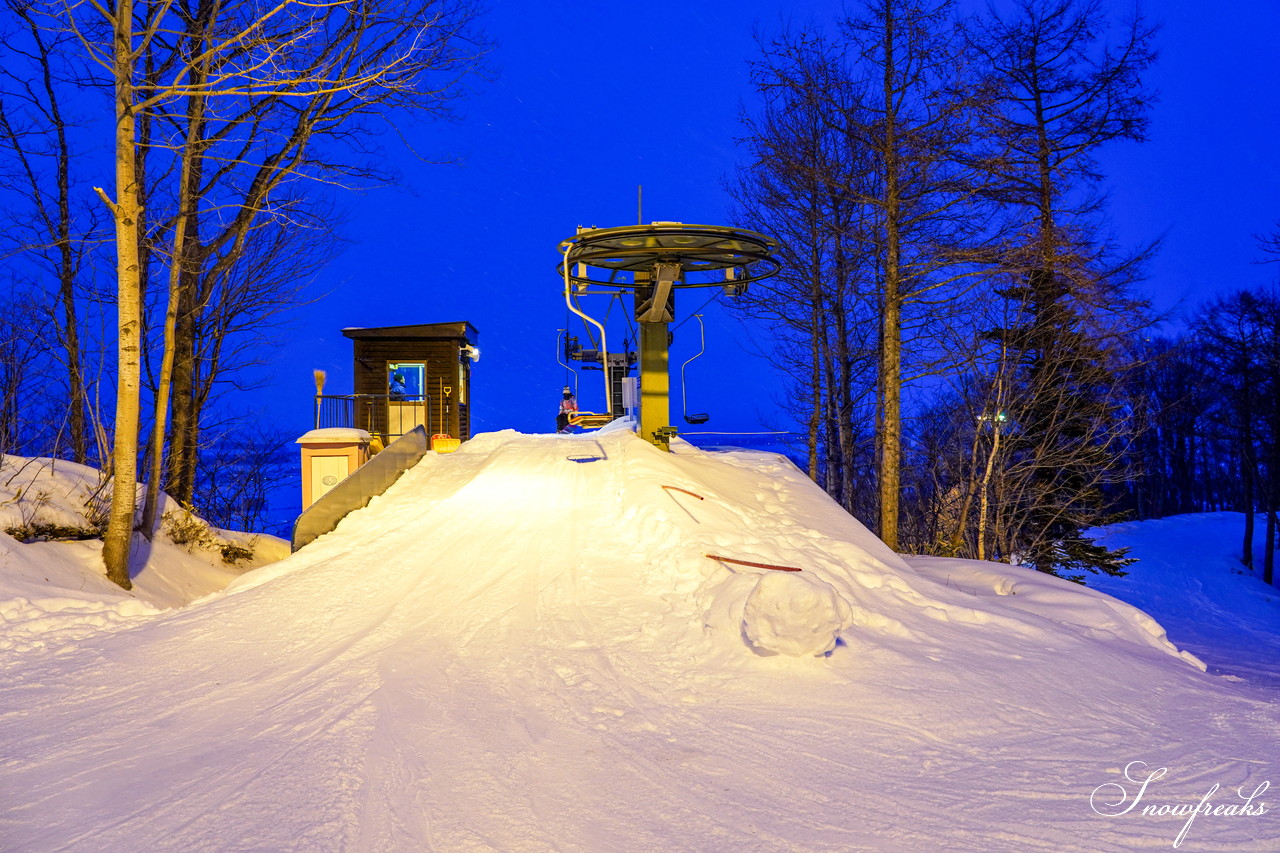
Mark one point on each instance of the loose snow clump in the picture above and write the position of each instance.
(791, 614)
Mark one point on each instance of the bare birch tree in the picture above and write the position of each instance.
(901, 226)
(801, 186)
(924, 201)
(283, 75)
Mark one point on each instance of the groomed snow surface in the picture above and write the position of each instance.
(523, 646)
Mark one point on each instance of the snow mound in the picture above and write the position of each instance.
(539, 643)
(64, 579)
(789, 614)
(622, 544)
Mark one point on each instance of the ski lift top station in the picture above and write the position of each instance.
(654, 261)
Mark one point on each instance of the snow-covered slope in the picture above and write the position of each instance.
(523, 646)
(1191, 575)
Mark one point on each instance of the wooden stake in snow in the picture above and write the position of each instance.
(685, 491)
(751, 564)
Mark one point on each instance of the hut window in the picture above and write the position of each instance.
(405, 380)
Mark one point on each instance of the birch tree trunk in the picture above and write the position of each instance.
(188, 177)
(891, 320)
(125, 209)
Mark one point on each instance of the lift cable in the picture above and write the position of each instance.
(695, 313)
(716, 432)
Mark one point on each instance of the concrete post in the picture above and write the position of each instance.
(329, 456)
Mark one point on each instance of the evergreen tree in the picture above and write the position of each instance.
(1062, 92)
(1070, 433)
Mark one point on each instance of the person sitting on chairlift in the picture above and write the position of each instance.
(568, 408)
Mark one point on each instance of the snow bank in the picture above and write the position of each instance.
(54, 492)
(524, 646)
(1044, 598)
(59, 624)
(49, 491)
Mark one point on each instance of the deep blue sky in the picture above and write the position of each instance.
(592, 99)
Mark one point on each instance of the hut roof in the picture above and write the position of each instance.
(461, 329)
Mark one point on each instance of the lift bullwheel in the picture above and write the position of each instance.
(654, 261)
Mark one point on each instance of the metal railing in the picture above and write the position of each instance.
(382, 415)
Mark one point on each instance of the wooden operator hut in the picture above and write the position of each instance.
(405, 376)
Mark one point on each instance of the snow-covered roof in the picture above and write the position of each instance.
(335, 435)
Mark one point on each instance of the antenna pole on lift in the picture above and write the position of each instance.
(639, 204)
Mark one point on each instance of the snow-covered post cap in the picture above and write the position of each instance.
(335, 435)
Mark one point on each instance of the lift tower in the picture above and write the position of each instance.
(654, 261)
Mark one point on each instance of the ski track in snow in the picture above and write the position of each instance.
(512, 651)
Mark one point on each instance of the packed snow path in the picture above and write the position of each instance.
(523, 647)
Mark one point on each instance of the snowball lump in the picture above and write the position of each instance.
(793, 614)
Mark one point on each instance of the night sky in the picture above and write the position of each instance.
(588, 101)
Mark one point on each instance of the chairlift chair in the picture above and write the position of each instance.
(700, 417)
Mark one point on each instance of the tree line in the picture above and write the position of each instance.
(168, 169)
(964, 346)
(1211, 398)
